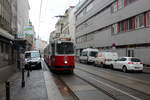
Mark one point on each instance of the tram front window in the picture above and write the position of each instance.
(65, 48)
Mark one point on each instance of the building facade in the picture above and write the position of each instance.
(7, 30)
(22, 16)
(12, 13)
(30, 35)
(65, 27)
(114, 25)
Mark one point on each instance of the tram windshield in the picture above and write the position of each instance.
(65, 48)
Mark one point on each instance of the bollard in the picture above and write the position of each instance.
(7, 85)
(28, 73)
(30, 68)
(23, 81)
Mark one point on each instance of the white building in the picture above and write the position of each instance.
(40, 44)
(123, 24)
(65, 27)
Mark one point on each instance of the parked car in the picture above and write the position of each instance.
(128, 64)
(88, 55)
(105, 59)
(33, 59)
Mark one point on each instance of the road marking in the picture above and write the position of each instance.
(136, 98)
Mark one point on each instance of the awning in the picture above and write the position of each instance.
(6, 34)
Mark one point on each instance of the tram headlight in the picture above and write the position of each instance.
(65, 62)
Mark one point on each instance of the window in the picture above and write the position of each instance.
(120, 4)
(114, 29)
(65, 48)
(130, 53)
(122, 59)
(84, 53)
(114, 7)
(148, 18)
(129, 1)
(139, 21)
(130, 24)
(89, 7)
(135, 60)
(121, 26)
(93, 54)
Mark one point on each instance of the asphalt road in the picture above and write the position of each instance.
(93, 83)
(136, 75)
(131, 86)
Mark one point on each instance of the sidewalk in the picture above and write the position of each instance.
(146, 70)
(35, 88)
(39, 86)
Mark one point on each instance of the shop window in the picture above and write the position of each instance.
(130, 53)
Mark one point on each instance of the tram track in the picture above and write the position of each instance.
(127, 90)
(100, 89)
(68, 88)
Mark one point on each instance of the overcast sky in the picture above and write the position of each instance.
(50, 9)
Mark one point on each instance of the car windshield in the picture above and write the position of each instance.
(135, 60)
(93, 53)
(32, 55)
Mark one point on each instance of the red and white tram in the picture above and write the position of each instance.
(59, 55)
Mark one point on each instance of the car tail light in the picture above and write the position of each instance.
(130, 62)
(141, 63)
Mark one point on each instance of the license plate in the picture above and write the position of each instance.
(136, 67)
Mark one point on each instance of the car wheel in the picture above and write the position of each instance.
(80, 61)
(111, 66)
(102, 65)
(124, 69)
(94, 63)
(39, 66)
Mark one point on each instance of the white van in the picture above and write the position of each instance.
(88, 55)
(33, 59)
(105, 59)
